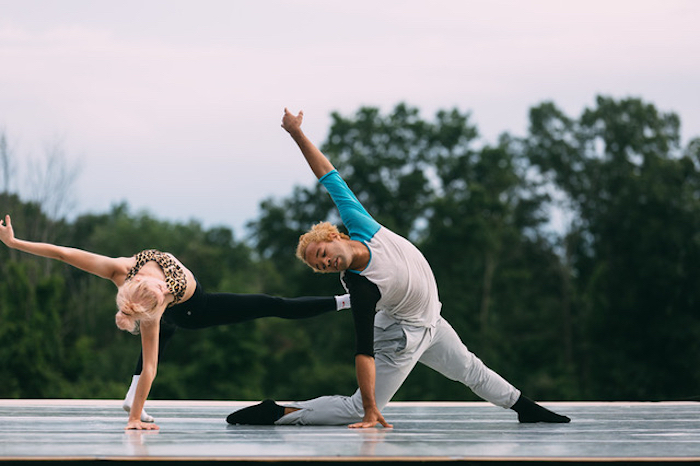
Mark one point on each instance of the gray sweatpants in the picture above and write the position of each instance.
(398, 348)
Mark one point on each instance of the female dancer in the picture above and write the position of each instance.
(154, 286)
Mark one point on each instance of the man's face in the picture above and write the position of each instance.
(329, 256)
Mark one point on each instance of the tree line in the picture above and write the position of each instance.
(602, 305)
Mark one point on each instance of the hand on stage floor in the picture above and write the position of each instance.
(140, 425)
(372, 417)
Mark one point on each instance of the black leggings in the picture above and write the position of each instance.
(211, 309)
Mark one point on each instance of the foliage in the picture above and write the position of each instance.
(633, 247)
(602, 307)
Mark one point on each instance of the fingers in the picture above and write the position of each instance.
(141, 426)
(291, 122)
(385, 424)
(361, 425)
(288, 113)
(369, 425)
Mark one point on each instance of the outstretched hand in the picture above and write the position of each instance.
(7, 235)
(292, 122)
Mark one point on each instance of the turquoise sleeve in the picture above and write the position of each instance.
(356, 219)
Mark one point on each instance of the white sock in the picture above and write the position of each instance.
(342, 302)
(129, 400)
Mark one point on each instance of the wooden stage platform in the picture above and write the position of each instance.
(195, 432)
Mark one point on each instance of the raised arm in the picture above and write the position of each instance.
(318, 162)
(102, 266)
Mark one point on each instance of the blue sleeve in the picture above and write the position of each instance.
(356, 219)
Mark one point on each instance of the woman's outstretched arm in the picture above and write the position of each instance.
(96, 264)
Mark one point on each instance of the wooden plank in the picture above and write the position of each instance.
(92, 430)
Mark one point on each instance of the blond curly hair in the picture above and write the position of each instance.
(136, 302)
(320, 232)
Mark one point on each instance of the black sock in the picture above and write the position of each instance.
(529, 411)
(261, 414)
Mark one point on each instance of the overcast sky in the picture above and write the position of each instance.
(175, 106)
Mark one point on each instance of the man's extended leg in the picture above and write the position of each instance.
(450, 357)
(397, 350)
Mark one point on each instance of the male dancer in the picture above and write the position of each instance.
(396, 309)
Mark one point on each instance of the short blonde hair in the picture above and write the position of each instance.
(136, 301)
(320, 232)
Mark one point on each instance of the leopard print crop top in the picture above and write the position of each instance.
(175, 277)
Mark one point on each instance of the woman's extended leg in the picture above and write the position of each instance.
(230, 308)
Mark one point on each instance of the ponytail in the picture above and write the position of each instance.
(126, 322)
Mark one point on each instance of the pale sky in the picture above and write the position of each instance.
(174, 106)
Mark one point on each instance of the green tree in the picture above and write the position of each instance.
(602, 310)
(632, 247)
(495, 267)
(37, 351)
